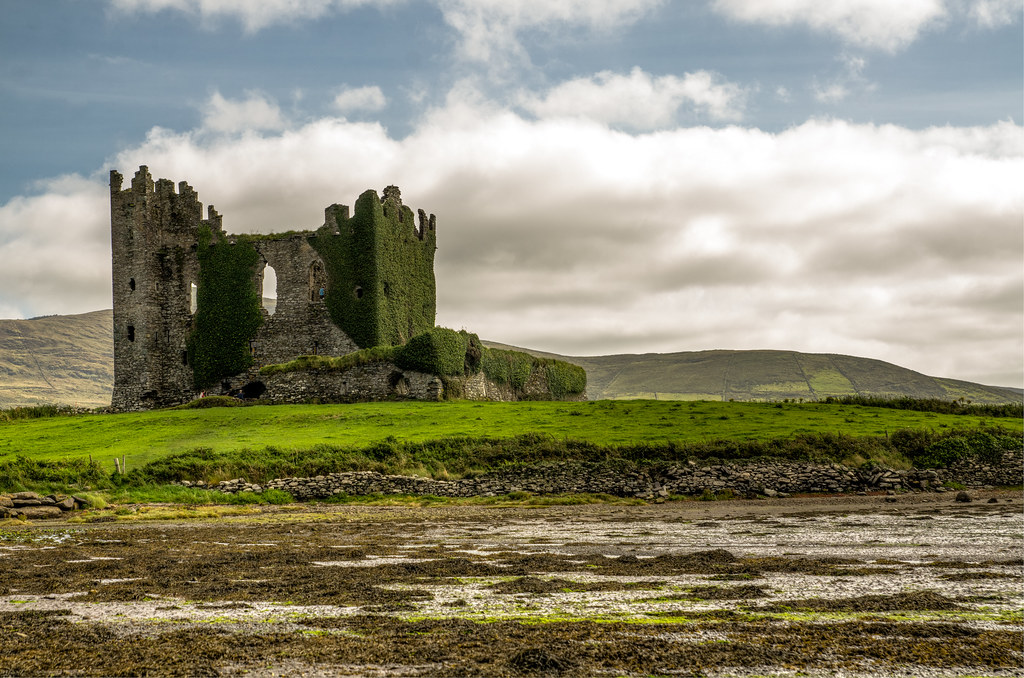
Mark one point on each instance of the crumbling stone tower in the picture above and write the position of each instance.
(188, 311)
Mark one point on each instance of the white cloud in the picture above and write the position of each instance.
(850, 80)
(566, 235)
(255, 112)
(879, 24)
(490, 29)
(351, 99)
(876, 24)
(638, 101)
(994, 13)
(254, 15)
(56, 249)
(831, 93)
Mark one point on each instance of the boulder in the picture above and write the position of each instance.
(962, 497)
(40, 512)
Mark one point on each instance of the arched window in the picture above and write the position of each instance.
(268, 292)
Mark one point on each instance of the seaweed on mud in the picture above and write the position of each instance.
(916, 601)
(456, 647)
(536, 585)
(742, 592)
(975, 576)
(537, 660)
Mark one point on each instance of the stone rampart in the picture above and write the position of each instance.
(768, 478)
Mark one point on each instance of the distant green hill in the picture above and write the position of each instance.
(69, 360)
(763, 375)
(60, 359)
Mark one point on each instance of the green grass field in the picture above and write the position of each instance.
(147, 436)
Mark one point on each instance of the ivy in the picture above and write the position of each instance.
(564, 378)
(507, 367)
(452, 355)
(380, 273)
(440, 351)
(227, 310)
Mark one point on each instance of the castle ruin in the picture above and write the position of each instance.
(188, 310)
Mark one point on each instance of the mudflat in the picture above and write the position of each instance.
(910, 585)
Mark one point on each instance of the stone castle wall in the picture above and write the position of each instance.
(385, 381)
(155, 237)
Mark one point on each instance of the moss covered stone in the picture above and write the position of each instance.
(380, 269)
(228, 314)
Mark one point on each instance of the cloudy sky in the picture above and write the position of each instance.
(608, 175)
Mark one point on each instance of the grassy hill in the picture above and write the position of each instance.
(68, 360)
(63, 359)
(763, 375)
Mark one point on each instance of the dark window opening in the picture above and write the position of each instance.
(317, 282)
(254, 389)
(184, 358)
(359, 292)
(316, 348)
(131, 333)
(398, 384)
(131, 284)
(387, 289)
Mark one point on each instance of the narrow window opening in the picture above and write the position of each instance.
(268, 289)
(184, 358)
(131, 333)
(317, 282)
(131, 284)
(193, 298)
(316, 348)
(359, 292)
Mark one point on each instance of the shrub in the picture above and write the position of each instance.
(507, 367)
(565, 378)
(440, 351)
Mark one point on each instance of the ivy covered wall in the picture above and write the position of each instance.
(380, 269)
(228, 309)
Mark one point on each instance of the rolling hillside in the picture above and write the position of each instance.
(69, 360)
(62, 359)
(763, 375)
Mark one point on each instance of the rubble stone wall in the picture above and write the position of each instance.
(768, 478)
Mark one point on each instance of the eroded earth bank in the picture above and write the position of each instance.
(849, 586)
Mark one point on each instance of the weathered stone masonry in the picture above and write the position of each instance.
(155, 236)
(768, 478)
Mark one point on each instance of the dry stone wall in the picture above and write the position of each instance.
(766, 478)
(30, 505)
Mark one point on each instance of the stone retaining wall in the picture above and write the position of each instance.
(769, 478)
(386, 381)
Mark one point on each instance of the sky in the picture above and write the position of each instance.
(609, 176)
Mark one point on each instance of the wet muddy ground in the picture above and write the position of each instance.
(847, 586)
